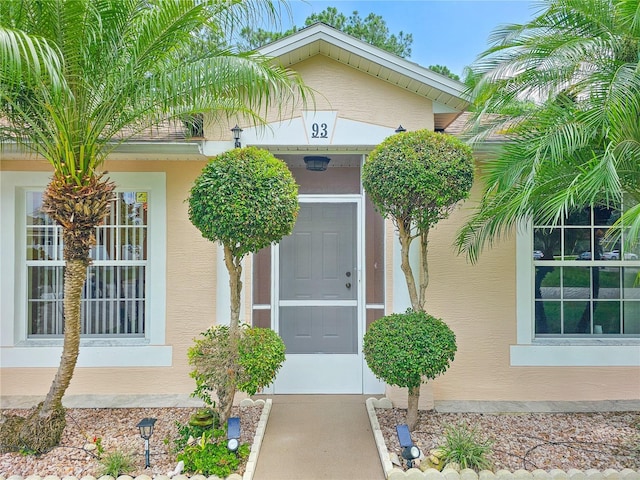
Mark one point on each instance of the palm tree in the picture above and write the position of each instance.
(578, 143)
(78, 77)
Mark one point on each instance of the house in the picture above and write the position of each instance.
(155, 283)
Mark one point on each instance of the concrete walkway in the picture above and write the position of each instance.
(311, 437)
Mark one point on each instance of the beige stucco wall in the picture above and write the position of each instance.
(478, 302)
(190, 299)
(355, 95)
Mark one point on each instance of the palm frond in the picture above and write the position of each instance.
(579, 143)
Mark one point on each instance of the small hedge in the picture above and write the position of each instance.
(405, 349)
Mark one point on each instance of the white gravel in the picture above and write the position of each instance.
(117, 430)
(534, 440)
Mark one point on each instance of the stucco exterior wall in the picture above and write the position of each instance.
(478, 302)
(355, 95)
(190, 299)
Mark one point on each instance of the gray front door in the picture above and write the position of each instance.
(318, 301)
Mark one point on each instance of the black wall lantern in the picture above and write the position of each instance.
(316, 163)
(236, 135)
(146, 430)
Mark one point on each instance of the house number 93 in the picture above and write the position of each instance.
(319, 130)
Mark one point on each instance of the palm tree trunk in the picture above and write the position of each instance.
(75, 275)
(42, 429)
(79, 209)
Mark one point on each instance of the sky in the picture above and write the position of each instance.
(445, 32)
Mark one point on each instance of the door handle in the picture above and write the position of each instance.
(348, 285)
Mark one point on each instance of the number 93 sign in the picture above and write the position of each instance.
(319, 126)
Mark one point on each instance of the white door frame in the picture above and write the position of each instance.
(356, 199)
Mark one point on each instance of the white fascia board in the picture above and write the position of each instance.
(369, 52)
(348, 133)
(442, 108)
(175, 148)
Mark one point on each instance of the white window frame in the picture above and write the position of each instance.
(556, 352)
(16, 349)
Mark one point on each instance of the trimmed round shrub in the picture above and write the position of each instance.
(405, 349)
(417, 177)
(245, 199)
(260, 356)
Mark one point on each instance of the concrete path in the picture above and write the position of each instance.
(311, 437)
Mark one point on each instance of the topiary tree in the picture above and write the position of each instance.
(245, 199)
(260, 356)
(416, 179)
(405, 349)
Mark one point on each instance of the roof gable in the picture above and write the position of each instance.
(321, 39)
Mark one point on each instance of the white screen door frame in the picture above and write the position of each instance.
(324, 372)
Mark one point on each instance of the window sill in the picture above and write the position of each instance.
(116, 355)
(568, 353)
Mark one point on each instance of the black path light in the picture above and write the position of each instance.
(400, 129)
(236, 136)
(146, 430)
(409, 451)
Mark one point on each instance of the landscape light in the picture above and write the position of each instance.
(233, 433)
(409, 451)
(146, 430)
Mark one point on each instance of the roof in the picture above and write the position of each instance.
(447, 94)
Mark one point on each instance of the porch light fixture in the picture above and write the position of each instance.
(236, 136)
(146, 430)
(233, 433)
(409, 451)
(316, 163)
(400, 129)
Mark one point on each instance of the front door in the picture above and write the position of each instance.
(318, 301)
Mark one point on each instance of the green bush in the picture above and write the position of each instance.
(116, 463)
(245, 199)
(211, 457)
(405, 349)
(416, 179)
(418, 176)
(260, 356)
(464, 446)
(187, 432)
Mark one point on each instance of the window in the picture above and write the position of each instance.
(578, 293)
(123, 310)
(114, 294)
(585, 285)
